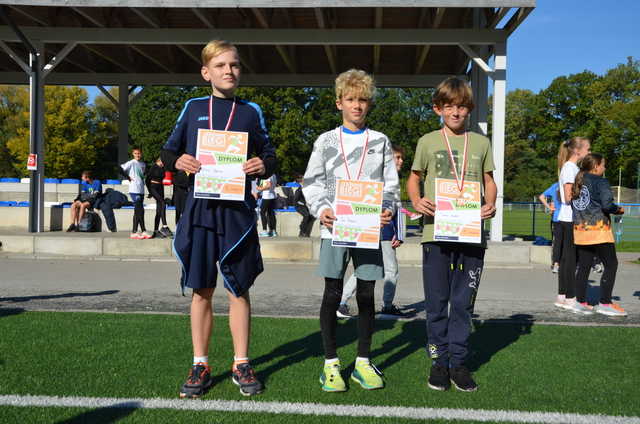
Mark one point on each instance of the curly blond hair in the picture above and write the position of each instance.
(357, 82)
(214, 48)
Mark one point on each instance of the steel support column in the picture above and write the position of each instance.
(497, 130)
(479, 82)
(36, 138)
(123, 123)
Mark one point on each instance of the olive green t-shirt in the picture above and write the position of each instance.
(432, 160)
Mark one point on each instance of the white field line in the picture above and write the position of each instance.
(316, 409)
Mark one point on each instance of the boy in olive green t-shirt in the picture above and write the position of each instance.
(451, 270)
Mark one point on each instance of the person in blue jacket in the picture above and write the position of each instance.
(88, 192)
(219, 231)
(556, 233)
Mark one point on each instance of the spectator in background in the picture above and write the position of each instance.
(306, 225)
(267, 190)
(592, 206)
(154, 177)
(88, 192)
(571, 152)
(180, 190)
(133, 170)
(556, 233)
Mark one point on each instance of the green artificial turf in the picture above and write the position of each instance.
(586, 370)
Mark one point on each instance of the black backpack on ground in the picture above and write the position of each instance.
(90, 223)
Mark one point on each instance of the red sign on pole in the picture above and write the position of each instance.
(32, 162)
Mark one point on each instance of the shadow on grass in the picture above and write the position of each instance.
(299, 350)
(411, 338)
(19, 299)
(492, 336)
(104, 415)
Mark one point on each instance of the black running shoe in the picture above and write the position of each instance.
(72, 228)
(198, 382)
(244, 377)
(461, 378)
(158, 234)
(343, 312)
(392, 310)
(439, 378)
(166, 232)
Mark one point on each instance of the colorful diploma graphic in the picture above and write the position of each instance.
(222, 154)
(357, 207)
(457, 216)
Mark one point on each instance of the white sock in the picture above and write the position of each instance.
(202, 359)
(331, 361)
(361, 359)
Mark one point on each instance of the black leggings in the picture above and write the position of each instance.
(556, 242)
(267, 214)
(328, 319)
(138, 212)
(607, 253)
(567, 272)
(157, 191)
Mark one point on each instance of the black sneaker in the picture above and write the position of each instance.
(158, 234)
(72, 228)
(439, 378)
(244, 377)
(166, 232)
(392, 310)
(343, 312)
(198, 382)
(461, 378)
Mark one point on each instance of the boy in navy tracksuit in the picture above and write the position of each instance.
(451, 270)
(219, 231)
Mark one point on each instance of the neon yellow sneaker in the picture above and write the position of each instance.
(367, 375)
(331, 379)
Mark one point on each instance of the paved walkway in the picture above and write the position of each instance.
(284, 289)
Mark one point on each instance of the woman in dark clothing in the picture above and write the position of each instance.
(154, 178)
(592, 206)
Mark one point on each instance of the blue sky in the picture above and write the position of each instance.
(562, 37)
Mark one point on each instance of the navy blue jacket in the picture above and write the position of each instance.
(239, 255)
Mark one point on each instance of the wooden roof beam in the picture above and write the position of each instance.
(28, 15)
(498, 16)
(517, 19)
(423, 51)
(90, 16)
(118, 63)
(286, 58)
(203, 18)
(328, 50)
(152, 59)
(376, 49)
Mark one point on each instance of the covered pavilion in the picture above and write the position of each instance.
(138, 43)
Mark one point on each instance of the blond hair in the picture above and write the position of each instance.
(453, 91)
(357, 82)
(215, 48)
(568, 147)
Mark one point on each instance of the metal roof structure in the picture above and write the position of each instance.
(413, 43)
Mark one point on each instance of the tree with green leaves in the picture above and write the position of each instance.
(70, 144)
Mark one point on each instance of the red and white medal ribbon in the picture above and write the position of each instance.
(233, 112)
(364, 152)
(463, 168)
